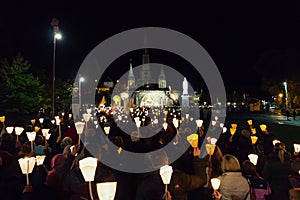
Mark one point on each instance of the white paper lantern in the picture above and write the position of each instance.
(86, 117)
(48, 136)
(213, 123)
(10, 129)
(45, 131)
(88, 168)
(165, 125)
(89, 110)
(57, 120)
(215, 182)
(31, 136)
(41, 120)
(79, 127)
(19, 130)
(275, 141)
(297, 147)
(166, 173)
(106, 130)
(175, 122)
(213, 140)
(199, 122)
(40, 159)
(107, 190)
(253, 158)
(27, 164)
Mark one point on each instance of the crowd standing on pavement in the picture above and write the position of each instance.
(274, 176)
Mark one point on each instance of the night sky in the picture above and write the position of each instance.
(247, 41)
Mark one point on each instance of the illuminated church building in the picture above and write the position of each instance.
(147, 90)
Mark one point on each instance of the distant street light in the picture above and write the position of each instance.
(286, 95)
(81, 79)
(57, 35)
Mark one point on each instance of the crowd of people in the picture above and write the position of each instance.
(274, 176)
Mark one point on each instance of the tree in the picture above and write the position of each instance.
(22, 92)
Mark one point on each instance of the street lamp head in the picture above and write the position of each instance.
(81, 79)
(57, 36)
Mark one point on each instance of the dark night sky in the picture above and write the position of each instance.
(242, 38)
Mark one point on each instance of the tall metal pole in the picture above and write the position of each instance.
(54, 24)
(53, 78)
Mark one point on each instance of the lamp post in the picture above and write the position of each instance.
(81, 79)
(57, 35)
(286, 95)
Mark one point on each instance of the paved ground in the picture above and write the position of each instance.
(265, 117)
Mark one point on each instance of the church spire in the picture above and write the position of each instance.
(131, 78)
(162, 82)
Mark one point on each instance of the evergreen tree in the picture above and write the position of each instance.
(21, 91)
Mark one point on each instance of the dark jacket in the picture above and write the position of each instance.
(151, 187)
(276, 174)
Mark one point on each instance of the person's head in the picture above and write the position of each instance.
(279, 149)
(39, 140)
(157, 159)
(294, 194)
(248, 168)
(245, 133)
(57, 161)
(65, 142)
(26, 147)
(6, 136)
(230, 163)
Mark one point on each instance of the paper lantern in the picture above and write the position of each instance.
(253, 130)
(106, 190)
(215, 183)
(166, 173)
(193, 140)
(40, 159)
(213, 140)
(175, 122)
(88, 168)
(221, 125)
(297, 148)
(253, 139)
(165, 125)
(48, 136)
(199, 122)
(41, 120)
(250, 122)
(213, 123)
(36, 129)
(210, 148)
(253, 158)
(45, 131)
(233, 126)
(224, 129)
(232, 131)
(89, 110)
(275, 141)
(2, 119)
(32, 121)
(19, 130)
(106, 130)
(10, 129)
(86, 117)
(216, 118)
(52, 121)
(31, 136)
(79, 127)
(263, 127)
(27, 165)
(137, 122)
(57, 120)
